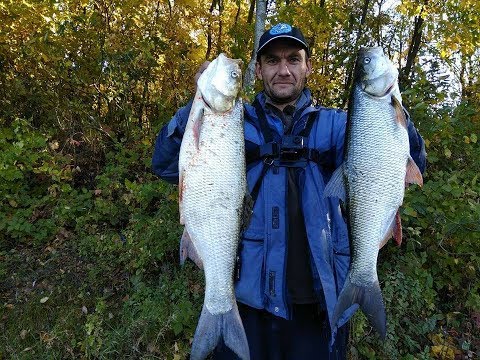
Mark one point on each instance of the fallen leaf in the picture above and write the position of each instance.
(23, 334)
(44, 300)
(54, 145)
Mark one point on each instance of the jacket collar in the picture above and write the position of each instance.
(303, 101)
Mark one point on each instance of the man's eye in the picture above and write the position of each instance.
(271, 61)
(294, 60)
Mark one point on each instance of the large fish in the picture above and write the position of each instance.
(372, 179)
(213, 190)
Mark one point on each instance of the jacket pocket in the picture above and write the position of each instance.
(249, 286)
(341, 253)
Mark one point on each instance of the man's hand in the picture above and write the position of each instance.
(201, 69)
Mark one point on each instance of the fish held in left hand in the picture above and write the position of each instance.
(371, 181)
(213, 193)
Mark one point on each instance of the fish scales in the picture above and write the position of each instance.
(212, 189)
(371, 180)
(375, 168)
(218, 177)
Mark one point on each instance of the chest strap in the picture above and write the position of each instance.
(290, 152)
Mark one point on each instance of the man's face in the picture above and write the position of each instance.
(283, 68)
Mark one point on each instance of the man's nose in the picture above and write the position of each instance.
(284, 70)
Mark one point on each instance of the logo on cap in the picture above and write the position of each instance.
(280, 29)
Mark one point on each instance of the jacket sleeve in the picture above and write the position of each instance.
(417, 145)
(167, 146)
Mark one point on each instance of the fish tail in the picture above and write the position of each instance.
(211, 327)
(370, 300)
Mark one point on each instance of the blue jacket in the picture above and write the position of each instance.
(262, 282)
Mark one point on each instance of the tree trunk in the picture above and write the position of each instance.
(251, 11)
(209, 33)
(237, 14)
(260, 17)
(351, 64)
(220, 26)
(413, 49)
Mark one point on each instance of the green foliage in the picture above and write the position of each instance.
(30, 173)
(89, 237)
(119, 239)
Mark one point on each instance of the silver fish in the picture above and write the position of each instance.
(371, 180)
(213, 189)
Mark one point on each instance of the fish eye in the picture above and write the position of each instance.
(367, 60)
(234, 74)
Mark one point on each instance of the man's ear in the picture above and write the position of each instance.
(258, 70)
(309, 67)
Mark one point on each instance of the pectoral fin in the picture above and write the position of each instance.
(247, 211)
(181, 188)
(400, 116)
(336, 185)
(197, 128)
(188, 250)
(413, 175)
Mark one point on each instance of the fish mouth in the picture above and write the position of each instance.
(376, 91)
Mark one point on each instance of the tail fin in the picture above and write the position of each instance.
(370, 300)
(211, 327)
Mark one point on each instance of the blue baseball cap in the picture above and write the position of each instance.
(285, 31)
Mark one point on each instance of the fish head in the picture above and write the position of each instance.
(375, 73)
(220, 83)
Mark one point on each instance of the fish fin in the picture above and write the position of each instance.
(181, 186)
(413, 175)
(210, 329)
(400, 116)
(397, 229)
(247, 211)
(370, 300)
(234, 334)
(207, 335)
(188, 250)
(336, 185)
(197, 128)
(195, 119)
(394, 230)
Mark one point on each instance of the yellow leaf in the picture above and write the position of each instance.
(447, 153)
(443, 352)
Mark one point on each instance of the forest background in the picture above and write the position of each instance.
(89, 236)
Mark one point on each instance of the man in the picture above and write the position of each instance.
(294, 255)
